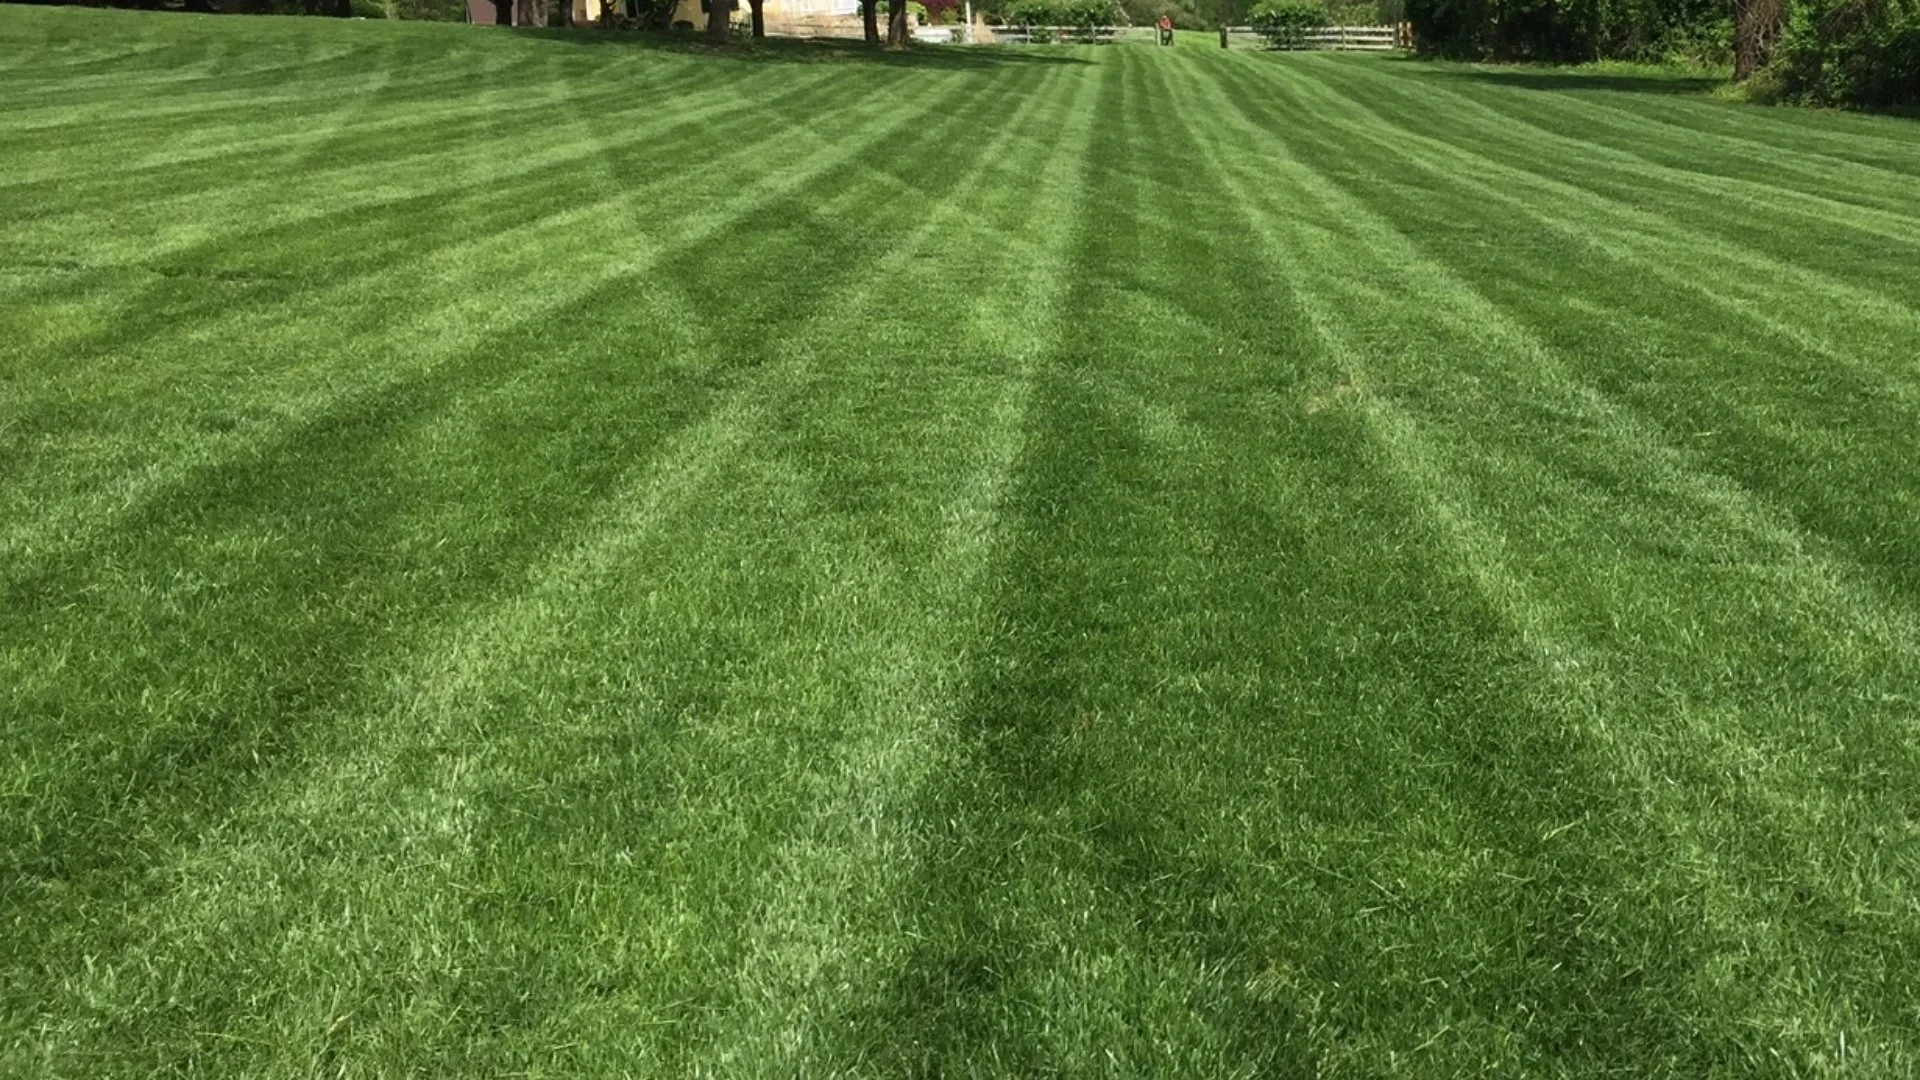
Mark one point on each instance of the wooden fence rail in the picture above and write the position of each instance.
(1347, 38)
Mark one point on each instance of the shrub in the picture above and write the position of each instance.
(1855, 53)
(1704, 44)
(1566, 30)
(1286, 23)
(1083, 15)
(434, 10)
(1352, 13)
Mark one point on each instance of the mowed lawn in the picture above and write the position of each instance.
(564, 556)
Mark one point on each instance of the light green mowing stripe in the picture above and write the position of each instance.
(1058, 932)
(827, 934)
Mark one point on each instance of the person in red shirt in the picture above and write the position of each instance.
(1166, 29)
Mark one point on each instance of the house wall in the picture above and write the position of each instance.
(818, 18)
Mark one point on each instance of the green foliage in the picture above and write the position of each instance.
(1353, 13)
(1084, 15)
(430, 10)
(1186, 14)
(1286, 23)
(1702, 44)
(1565, 30)
(1862, 53)
(1851, 53)
(916, 10)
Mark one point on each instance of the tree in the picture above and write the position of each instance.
(870, 19)
(1862, 53)
(1084, 17)
(759, 10)
(1287, 23)
(1756, 29)
(719, 21)
(897, 17)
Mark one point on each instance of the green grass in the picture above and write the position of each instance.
(563, 556)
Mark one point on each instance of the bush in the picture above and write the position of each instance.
(1852, 53)
(1286, 23)
(1702, 45)
(1565, 31)
(1353, 13)
(1083, 15)
(433, 10)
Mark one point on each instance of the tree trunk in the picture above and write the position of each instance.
(1756, 27)
(759, 10)
(870, 19)
(897, 24)
(719, 20)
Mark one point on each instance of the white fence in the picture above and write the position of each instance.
(1337, 38)
(803, 9)
(1344, 38)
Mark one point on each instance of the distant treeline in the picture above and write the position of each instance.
(1826, 52)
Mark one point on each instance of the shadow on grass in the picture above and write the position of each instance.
(1544, 78)
(807, 50)
(1565, 79)
(1646, 81)
(1630, 79)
